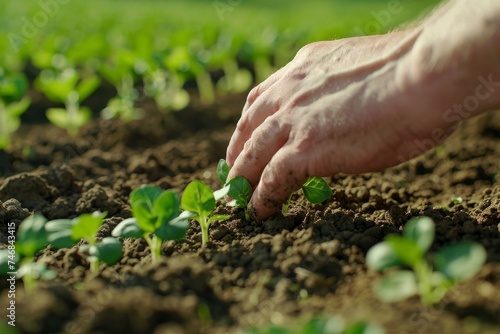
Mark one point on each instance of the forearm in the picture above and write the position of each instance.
(456, 58)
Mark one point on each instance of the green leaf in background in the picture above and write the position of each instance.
(60, 233)
(5, 257)
(87, 87)
(128, 228)
(57, 86)
(109, 250)
(31, 236)
(198, 198)
(16, 109)
(147, 194)
(316, 190)
(363, 327)
(397, 286)
(406, 250)
(87, 225)
(222, 171)
(58, 117)
(13, 87)
(382, 256)
(460, 261)
(421, 231)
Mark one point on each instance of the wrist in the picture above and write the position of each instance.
(452, 69)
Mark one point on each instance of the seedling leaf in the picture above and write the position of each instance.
(222, 170)
(175, 229)
(316, 190)
(166, 207)
(460, 261)
(421, 231)
(87, 87)
(145, 193)
(109, 250)
(5, 257)
(406, 250)
(59, 233)
(16, 109)
(240, 191)
(87, 225)
(397, 286)
(31, 235)
(198, 198)
(128, 228)
(218, 194)
(363, 327)
(382, 256)
(218, 217)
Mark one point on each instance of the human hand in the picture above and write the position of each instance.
(332, 109)
(363, 104)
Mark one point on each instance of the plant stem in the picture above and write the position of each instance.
(205, 88)
(72, 107)
(4, 128)
(94, 265)
(424, 273)
(155, 247)
(204, 230)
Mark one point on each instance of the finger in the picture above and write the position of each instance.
(258, 150)
(284, 174)
(258, 90)
(246, 126)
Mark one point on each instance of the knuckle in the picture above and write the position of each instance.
(242, 124)
(253, 95)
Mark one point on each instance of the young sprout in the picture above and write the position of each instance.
(452, 263)
(12, 105)
(18, 260)
(238, 188)
(64, 233)
(316, 191)
(157, 217)
(199, 199)
(64, 87)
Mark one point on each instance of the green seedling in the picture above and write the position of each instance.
(238, 188)
(199, 199)
(331, 325)
(66, 87)
(12, 105)
(315, 190)
(18, 260)
(430, 278)
(157, 217)
(63, 233)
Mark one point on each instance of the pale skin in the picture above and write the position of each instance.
(363, 104)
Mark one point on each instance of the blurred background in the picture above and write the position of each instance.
(67, 61)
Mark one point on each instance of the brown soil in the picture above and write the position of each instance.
(251, 273)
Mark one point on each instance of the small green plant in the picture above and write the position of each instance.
(453, 263)
(315, 190)
(18, 260)
(156, 217)
(66, 87)
(331, 325)
(12, 105)
(64, 233)
(238, 188)
(199, 200)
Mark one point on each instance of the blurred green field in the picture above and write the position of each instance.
(66, 49)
